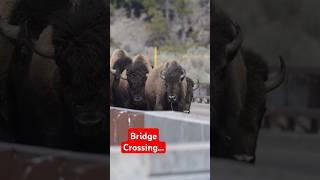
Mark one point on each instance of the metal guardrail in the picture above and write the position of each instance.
(188, 146)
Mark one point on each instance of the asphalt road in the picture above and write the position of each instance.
(280, 156)
(200, 109)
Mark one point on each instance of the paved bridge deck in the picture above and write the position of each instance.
(280, 156)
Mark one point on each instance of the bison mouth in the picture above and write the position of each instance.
(89, 124)
(137, 99)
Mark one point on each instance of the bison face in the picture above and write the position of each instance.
(173, 77)
(120, 65)
(86, 102)
(83, 77)
(136, 81)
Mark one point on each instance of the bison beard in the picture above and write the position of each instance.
(62, 103)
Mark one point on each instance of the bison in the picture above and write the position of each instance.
(229, 81)
(119, 61)
(165, 88)
(189, 93)
(239, 97)
(112, 72)
(132, 84)
(59, 94)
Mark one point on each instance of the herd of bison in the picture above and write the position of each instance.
(54, 79)
(135, 84)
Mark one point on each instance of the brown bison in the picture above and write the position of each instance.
(112, 72)
(119, 61)
(229, 81)
(6, 49)
(189, 93)
(132, 84)
(60, 100)
(239, 92)
(165, 88)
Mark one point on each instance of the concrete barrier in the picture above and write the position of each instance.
(188, 146)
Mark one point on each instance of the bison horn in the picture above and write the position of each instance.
(278, 79)
(197, 85)
(44, 47)
(44, 51)
(162, 76)
(183, 74)
(124, 75)
(233, 47)
(113, 71)
(8, 30)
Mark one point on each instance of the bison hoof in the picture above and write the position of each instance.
(244, 158)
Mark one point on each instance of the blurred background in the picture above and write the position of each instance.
(289, 143)
(164, 31)
(180, 29)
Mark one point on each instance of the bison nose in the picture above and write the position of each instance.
(89, 119)
(172, 98)
(137, 98)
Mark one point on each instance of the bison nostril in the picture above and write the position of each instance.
(89, 119)
(172, 98)
(137, 98)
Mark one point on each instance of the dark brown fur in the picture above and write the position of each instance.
(61, 102)
(157, 89)
(189, 94)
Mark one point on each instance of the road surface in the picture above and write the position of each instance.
(280, 156)
(200, 109)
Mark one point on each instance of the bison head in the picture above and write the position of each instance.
(78, 47)
(119, 62)
(76, 41)
(173, 75)
(136, 75)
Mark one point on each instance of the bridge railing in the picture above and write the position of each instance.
(188, 146)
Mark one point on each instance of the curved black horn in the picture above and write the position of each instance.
(8, 30)
(233, 47)
(278, 79)
(197, 85)
(44, 47)
(162, 75)
(183, 75)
